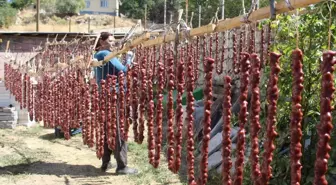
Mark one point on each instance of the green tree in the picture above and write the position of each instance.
(233, 8)
(313, 40)
(20, 4)
(7, 15)
(136, 9)
(69, 6)
(49, 6)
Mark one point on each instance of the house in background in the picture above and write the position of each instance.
(110, 7)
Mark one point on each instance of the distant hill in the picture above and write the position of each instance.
(25, 21)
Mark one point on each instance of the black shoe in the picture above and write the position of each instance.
(126, 171)
(104, 167)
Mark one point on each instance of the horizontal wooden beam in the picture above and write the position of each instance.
(223, 25)
(171, 37)
(126, 48)
(263, 13)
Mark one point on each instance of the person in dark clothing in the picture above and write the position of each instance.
(113, 67)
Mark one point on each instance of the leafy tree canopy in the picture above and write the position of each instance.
(20, 4)
(155, 9)
(7, 14)
(69, 6)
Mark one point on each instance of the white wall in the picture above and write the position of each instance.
(95, 7)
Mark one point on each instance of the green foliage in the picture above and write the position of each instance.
(69, 6)
(313, 40)
(59, 20)
(7, 15)
(3, 2)
(136, 9)
(20, 4)
(49, 6)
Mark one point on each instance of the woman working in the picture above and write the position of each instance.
(113, 67)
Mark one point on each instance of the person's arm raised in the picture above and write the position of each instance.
(118, 65)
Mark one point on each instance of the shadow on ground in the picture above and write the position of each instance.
(58, 169)
(48, 137)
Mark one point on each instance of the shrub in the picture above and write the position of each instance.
(69, 6)
(7, 16)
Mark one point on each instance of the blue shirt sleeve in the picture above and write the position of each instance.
(114, 62)
(100, 55)
(118, 65)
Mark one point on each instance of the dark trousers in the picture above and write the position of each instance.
(120, 152)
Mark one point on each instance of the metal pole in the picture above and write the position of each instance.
(223, 9)
(38, 16)
(165, 13)
(199, 15)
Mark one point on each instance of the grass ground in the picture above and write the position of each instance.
(34, 156)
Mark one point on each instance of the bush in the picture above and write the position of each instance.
(20, 4)
(7, 16)
(69, 6)
(59, 20)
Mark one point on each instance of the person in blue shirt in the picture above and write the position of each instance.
(113, 67)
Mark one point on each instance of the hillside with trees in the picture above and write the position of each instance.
(134, 9)
(10, 9)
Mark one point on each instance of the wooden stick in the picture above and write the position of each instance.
(263, 13)
(229, 24)
(7, 46)
(160, 40)
(135, 42)
(223, 25)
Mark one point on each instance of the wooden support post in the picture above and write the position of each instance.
(89, 22)
(114, 23)
(145, 23)
(199, 15)
(186, 16)
(165, 13)
(223, 9)
(7, 46)
(70, 24)
(37, 15)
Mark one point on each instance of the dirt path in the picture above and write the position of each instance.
(34, 156)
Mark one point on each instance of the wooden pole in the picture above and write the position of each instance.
(243, 2)
(165, 13)
(7, 46)
(199, 15)
(37, 15)
(70, 24)
(228, 24)
(114, 22)
(263, 13)
(223, 9)
(186, 12)
(89, 22)
(145, 17)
